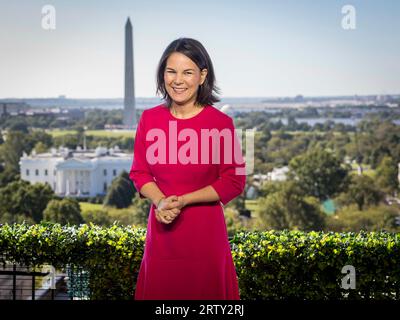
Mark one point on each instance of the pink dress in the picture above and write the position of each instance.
(189, 259)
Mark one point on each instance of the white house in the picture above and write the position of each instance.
(75, 173)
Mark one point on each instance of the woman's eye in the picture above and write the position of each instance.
(187, 73)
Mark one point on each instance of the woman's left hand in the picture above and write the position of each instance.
(180, 202)
(166, 215)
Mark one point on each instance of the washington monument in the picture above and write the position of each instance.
(129, 98)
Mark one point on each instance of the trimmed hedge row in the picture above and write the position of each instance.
(111, 256)
(300, 265)
(270, 265)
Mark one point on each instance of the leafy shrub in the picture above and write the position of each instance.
(270, 265)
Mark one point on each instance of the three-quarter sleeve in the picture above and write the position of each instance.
(232, 178)
(140, 173)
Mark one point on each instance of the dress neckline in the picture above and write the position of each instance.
(191, 118)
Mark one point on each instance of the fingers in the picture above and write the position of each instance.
(175, 211)
(171, 206)
(164, 219)
(170, 202)
(169, 209)
(171, 214)
(161, 217)
(165, 216)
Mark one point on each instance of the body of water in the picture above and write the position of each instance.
(312, 121)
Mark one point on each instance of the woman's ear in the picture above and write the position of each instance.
(203, 75)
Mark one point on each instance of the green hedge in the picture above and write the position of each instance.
(111, 256)
(300, 265)
(270, 265)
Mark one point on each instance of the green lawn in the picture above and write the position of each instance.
(87, 206)
(58, 132)
(366, 170)
(97, 133)
(320, 133)
(104, 133)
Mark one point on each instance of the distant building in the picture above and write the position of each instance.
(22, 108)
(119, 127)
(259, 179)
(75, 173)
(65, 114)
(13, 108)
(278, 174)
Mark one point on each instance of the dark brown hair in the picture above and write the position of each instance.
(195, 51)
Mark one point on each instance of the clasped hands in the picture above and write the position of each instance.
(169, 208)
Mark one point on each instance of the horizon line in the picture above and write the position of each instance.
(225, 97)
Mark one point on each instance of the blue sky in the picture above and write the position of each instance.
(259, 48)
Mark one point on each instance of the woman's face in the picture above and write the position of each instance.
(182, 78)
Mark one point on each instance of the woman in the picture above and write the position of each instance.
(187, 176)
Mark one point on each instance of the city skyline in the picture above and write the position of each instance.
(259, 49)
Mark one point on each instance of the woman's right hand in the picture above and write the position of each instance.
(168, 209)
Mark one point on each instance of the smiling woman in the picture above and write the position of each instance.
(186, 76)
(187, 253)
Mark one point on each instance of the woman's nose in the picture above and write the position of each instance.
(178, 79)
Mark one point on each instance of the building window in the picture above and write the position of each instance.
(37, 172)
(54, 172)
(27, 172)
(114, 172)
(45, 172)
(105, 187)
(105, 172)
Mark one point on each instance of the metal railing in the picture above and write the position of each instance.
(24, 283)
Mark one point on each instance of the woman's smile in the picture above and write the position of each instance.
(179, 90)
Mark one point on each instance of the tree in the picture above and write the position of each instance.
(121, 192)
(141, 210)
(17, 142)
(40, 147)
(319, 172)
(288, 208)
(65, 211)
(97, 216)
(10, 218)
(271, 187)
(379, 139)
(236, 223)
(8, 175)
(22, 198)
(374, 218)
(18, 124)
(361, 191)
(12, 149)
(80, 133)
(386, 175)
(43, 137)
